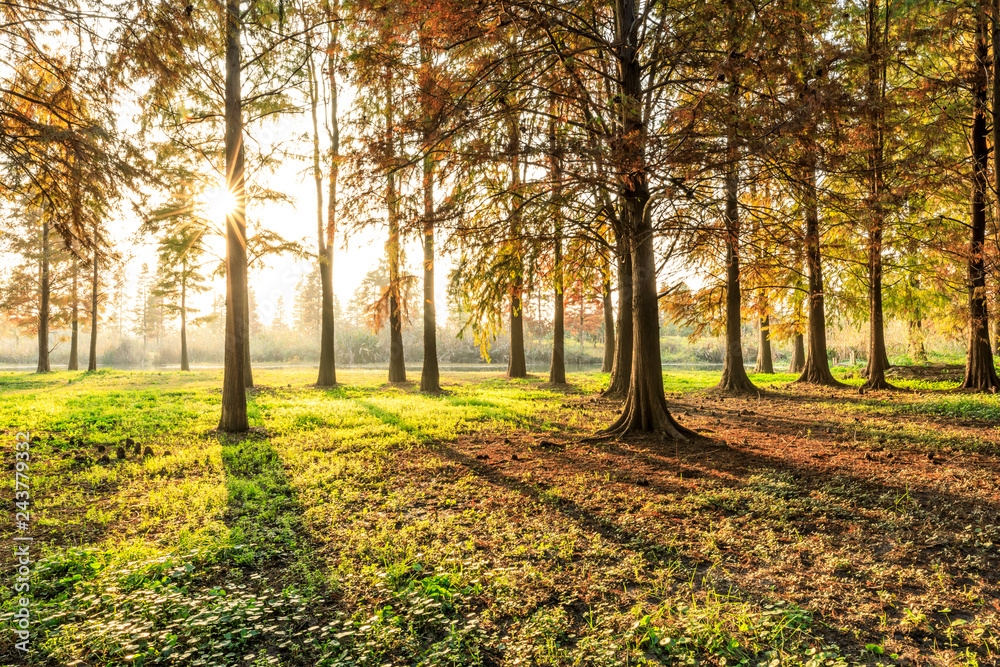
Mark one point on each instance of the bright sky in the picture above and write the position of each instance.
(294, 222)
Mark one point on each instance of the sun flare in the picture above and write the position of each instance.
(219, 202)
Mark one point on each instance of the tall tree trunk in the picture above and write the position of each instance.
(397, 368)
(327, 375)
(797, 364)
(645, 408)
(996, 162)
(557, 368)
(734, 374)
(94, 294)
(817, 369)
(980, 373)
(621, 369)
(914, 318)
(234, 399)
(609, 321)
(516, 366)
(765, 358)
(430, 376)
(185, 363)
(878, 360)
(74, 355)
(328, 343)
(44, 302)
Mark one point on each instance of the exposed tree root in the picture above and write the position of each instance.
(820, 376)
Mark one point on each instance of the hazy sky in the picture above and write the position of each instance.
(295, 221)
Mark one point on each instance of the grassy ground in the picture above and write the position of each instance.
(373, 525)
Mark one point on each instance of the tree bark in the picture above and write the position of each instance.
(94, 292)
(765, 358)
(797, 364)
(327, 375)
(995, 28)
(817, 368)
(397, 367)
(430, 375)
(734, 374)
(185, 362)
(609, 323)
(44, 302)
(74, 355)
(328, 343)
(878, 360)
(621, 369)
(645, 408)
(516, 366)
(980, 373)
(557, 368)
(234, 400)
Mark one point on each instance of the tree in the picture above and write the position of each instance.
(181, 257)
(980, 373)
(308, 305)
(234, 401)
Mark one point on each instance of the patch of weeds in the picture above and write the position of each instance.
(425, 617)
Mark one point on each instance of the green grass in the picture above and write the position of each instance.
(361, 525)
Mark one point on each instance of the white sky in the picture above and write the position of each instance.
(295, 221)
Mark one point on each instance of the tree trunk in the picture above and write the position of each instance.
(980, 373)
(734, 374)
(645, 408)
(327, 376)
(996, 154)
(74, 355)
(328, 343)
(765, 358)
(397, 368)
(44, 301)
(797, 364)
(817, 368)
(878, 360)
(234, 398)
(914, 329)
(621, 368)
(516, 365)
(185, 362)
(94, 291)
(609, 323)
(557, 369)
(430, 376)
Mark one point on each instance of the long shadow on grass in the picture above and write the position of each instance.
(263, 512)
(848, 489)
(661, 459)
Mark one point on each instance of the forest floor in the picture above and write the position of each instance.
(372, 525)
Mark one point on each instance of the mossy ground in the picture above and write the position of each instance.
(371, 525)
